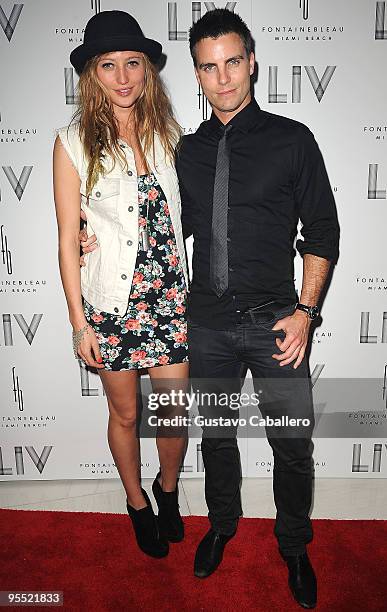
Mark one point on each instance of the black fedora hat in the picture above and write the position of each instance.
(113, 31)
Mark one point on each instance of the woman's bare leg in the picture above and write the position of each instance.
(121, 391)
(171, 450)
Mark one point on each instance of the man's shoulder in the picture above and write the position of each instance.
(286, 124)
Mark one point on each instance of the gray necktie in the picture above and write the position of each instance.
(218, 248)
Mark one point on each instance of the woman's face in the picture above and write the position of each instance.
(123, 75)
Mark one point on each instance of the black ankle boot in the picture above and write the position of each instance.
(170, 521)
(302, 580)
(146, 528)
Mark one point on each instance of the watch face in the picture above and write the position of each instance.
(314, 312)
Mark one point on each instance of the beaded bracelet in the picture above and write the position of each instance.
(77, 339)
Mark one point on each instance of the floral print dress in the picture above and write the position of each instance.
(153, 332)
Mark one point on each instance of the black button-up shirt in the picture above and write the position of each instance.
(277, 176)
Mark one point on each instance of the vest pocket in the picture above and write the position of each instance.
(104, 196)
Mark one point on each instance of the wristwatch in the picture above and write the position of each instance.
(312, 311)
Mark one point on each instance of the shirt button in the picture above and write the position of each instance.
(231, 270)
(122, 146)
(228, 239)
(123, 276)
(97, 194)
(130, 208)
(129, 243)
(116, 310)
(130, 173)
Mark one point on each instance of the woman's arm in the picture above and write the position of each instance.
(68, 206)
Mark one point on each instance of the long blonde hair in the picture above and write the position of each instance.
(99, 130)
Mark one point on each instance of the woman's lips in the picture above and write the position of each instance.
(124, 92)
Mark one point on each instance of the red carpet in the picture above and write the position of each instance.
(92, 558)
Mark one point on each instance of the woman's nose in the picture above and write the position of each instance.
(122, 76)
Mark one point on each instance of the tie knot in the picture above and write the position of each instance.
(224, 130)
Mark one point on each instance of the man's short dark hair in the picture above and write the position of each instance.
(216, 23)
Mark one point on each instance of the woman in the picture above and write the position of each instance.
(127, 305)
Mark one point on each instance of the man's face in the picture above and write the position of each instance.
(223, 71)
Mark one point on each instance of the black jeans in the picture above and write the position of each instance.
(226, 354)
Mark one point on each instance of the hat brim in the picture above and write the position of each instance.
(80, 55)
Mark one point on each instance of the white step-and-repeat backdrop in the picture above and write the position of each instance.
(322, 63)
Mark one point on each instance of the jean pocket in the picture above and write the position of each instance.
(278, 314)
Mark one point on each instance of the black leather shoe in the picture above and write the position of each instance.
(302, 580)
(170, 521)
(149, 538)
(209, 553)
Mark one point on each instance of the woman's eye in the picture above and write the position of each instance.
(106, 64)
(133, 63)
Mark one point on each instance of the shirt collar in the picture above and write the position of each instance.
(243, 121)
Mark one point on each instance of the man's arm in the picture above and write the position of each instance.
(315, 273)
(320, 247)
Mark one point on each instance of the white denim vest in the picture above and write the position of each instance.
(112, 215)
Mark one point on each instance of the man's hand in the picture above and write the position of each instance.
(296, 328)
(88, 244)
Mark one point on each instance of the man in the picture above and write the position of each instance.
(246, 178)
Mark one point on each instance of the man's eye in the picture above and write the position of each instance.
(208, 68)
(235, 62)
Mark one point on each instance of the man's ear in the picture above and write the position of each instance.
(252, 63)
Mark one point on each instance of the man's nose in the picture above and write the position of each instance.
(223, 75)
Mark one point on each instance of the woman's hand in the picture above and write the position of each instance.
(88, 348)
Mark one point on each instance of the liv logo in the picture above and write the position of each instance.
(315, 375)
(357, 466)
(304, 6)
(39, 462)
(69, 86)
(96, 6)
(365, 338)
(9, 24)
(17, 392)
(86, 389)
(29, 330)
(18, 184)
(373, 192)
(380, 21)
(203, 104)
(173, 31)
(319, 85)
(199, 458)
(6, 255)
